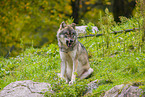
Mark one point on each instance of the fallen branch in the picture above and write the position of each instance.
(114, 32)
(10, 51)
(127, 30)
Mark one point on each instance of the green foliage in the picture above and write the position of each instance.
(63, 89)
(36, 63)
(29, 20)
(89, 28)
(38, 21)
(117, 58)
(70, 21)
(42, 65)
(83, 22)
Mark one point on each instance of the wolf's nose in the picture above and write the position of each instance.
(71, 40)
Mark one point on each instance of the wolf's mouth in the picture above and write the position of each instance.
(69, 43)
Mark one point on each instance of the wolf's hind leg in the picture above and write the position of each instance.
(86, 74)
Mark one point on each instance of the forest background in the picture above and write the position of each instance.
(25, 23)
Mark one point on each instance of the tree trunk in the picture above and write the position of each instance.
(123, 8)
(75, 10)
(142, 8)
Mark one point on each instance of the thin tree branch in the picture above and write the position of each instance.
(121, 31)
(10, 51)
(91, 35)
(114, 32)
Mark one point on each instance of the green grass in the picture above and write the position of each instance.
(122, 62)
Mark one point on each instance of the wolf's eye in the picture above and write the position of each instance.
(73, 33)
(73, 36)
(65, 35)
(65, 32)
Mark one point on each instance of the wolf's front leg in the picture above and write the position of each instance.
(74, 71)
(63, 71)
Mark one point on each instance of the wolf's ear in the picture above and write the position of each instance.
(62, 25)
(73, 25)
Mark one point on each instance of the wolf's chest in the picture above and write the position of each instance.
(69, 55)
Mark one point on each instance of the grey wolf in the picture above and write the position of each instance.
(74, 57)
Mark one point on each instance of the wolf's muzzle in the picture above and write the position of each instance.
(69, 43)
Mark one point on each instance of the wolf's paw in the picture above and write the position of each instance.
(67, 81)
(71, 82)
(58, 74)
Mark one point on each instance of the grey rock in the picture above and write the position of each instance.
(82, 29)
(124, 91)
(26, 88)
(92, 85)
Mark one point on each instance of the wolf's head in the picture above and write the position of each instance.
(67, 35)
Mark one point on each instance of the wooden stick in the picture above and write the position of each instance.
(114, 32)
